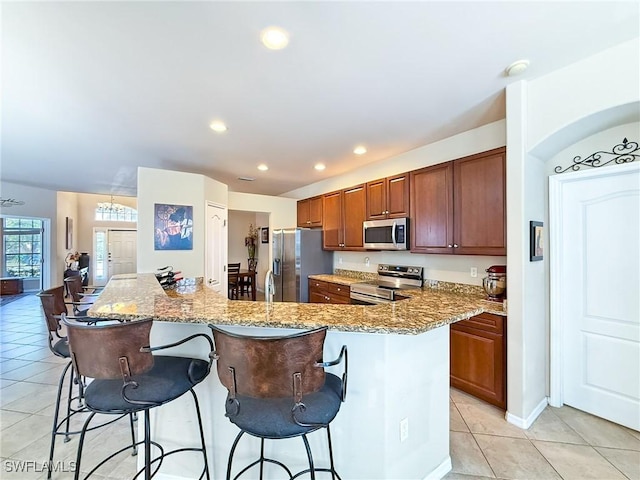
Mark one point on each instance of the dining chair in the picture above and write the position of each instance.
(233, 269)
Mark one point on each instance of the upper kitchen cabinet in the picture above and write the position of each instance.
(388, 197)
(310, 212)
(459, 207)
(343, 214)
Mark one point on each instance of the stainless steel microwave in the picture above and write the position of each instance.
(391, 234)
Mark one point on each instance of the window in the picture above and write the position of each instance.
(100, 249)
(22, 247)
(114, 212)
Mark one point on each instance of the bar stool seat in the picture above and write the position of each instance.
(271, 417)
(168, 379)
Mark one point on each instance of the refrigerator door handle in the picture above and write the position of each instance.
(276, 266)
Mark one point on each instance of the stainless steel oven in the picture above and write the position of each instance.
(392, 279)
(392, 234)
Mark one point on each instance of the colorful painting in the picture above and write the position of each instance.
(173, 227)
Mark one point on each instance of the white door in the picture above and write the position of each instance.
(216, 251)
(598, 281)
(122, 252)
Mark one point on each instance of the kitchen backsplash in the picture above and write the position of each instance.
(428, 283)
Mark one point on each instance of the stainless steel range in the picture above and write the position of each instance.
(391, 280)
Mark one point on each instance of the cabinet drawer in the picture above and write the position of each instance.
(318, 284)
(487, 322)
(338, 289)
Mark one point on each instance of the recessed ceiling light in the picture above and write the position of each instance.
(516, 68)
(274, 38)
(360, 150)
(262, 167)
(246, 179)
(218, 126)
(319, 166)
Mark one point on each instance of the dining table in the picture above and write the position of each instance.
(246, 277)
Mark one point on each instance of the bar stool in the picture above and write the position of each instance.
(128, 378)
(54, 306)
(78, 296)
(278, 389)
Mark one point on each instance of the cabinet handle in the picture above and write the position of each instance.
(455, 245)
(449, 246)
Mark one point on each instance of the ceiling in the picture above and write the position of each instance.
(92, 90)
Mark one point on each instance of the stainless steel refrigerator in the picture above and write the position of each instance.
(297, 253)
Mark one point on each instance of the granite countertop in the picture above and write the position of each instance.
(137, 296)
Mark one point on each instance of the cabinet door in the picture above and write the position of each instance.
(398, 196)
(432, 209)
(480, 207)
(303, 213)
(332, 221)
(354, 213)
(478, 361)
(377, 199)
(315, 212)
(316, 296)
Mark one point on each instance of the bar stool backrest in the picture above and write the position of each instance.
(264, 367)
(52, 301)
(110, 351)
(74, 286)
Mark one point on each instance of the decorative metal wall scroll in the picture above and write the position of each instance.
(624, 152)
(10, 202)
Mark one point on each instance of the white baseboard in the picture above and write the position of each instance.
(525, 423)
(440, 471)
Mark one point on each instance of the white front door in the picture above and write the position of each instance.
(598, 226)
(216, 251)
(122, 252)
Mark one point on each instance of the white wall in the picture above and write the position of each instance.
(238, 229)
(67, 207)
(552, 111)
(39, 203)
(176, 188)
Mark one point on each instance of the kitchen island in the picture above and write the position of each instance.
(398, 372)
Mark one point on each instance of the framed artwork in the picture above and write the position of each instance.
(536, 247)
(69, 231)
(173, 227)
(264, 234)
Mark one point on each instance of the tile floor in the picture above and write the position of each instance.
(564, 443)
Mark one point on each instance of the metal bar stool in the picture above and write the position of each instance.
(54, 306)
(128, 378)
(278, 389)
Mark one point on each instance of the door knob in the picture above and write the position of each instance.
(210, 281)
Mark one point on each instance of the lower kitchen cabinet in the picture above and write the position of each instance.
(328, 292)
(479, 357)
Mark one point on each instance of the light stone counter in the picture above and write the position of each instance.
(137, 296)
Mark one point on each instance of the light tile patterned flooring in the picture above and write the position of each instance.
(564, 443)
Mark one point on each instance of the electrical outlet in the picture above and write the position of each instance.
(366, 261)
(474, 272)
(340, 260)
(404, 429)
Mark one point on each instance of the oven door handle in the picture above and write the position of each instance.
(368, 298)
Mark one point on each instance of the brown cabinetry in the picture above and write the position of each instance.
(343, 214)
(310, 212)
(11, 286)
(478, 354)
(459, 207)
(328, 292)
(388, 197)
